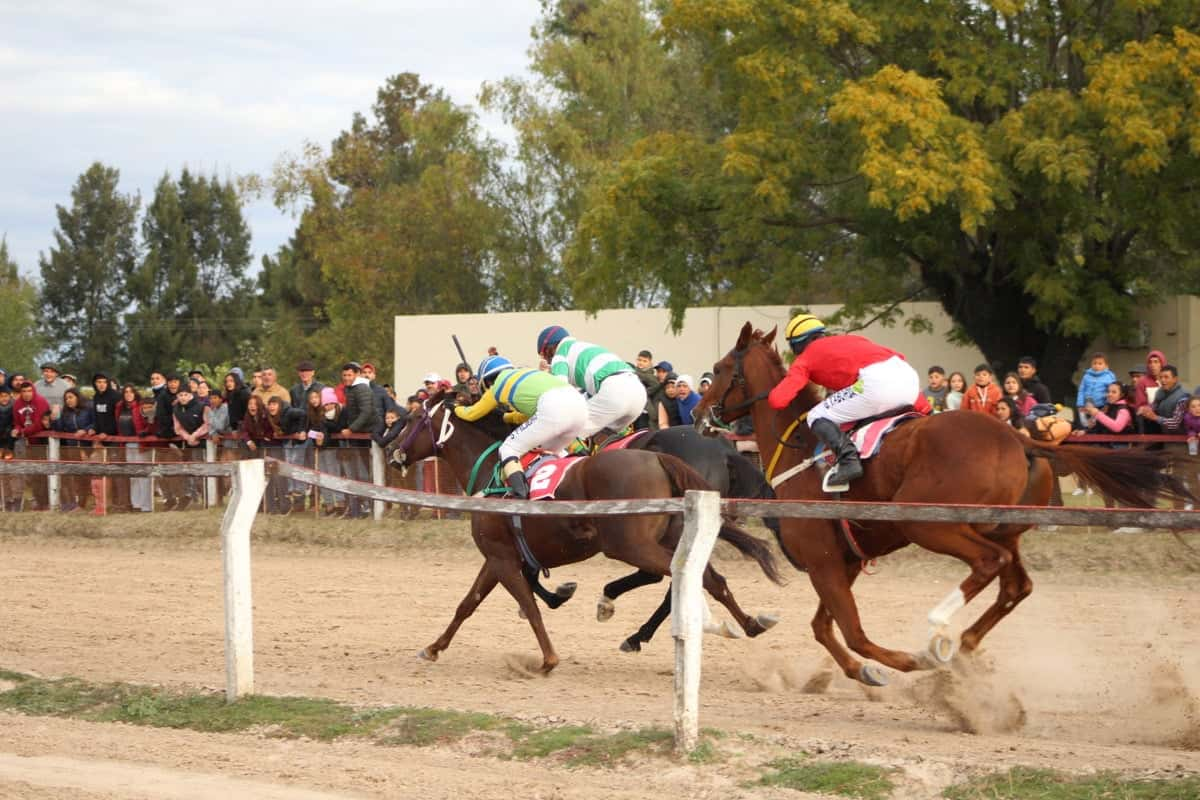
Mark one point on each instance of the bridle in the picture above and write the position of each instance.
(425, 423)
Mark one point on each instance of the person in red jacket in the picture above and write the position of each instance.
(31, 414)
(862, 379)
(984, 395)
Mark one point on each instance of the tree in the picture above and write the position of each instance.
(22, 342)
(190, 291)
(1034, 165)
(84, 276)
(399, 215)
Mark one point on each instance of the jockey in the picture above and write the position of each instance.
(862, 378)
(548, 413)
(616, 397)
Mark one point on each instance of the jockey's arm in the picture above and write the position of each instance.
(791, 385)
(486, 405)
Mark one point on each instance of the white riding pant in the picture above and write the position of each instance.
(621, 400)
(560, 414)
(880, 387)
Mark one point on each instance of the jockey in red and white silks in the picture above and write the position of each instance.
(862, 379)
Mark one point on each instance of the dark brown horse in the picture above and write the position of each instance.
(956, 457)
(646, 542)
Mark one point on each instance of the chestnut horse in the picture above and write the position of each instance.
(645, 541)
(955, 457)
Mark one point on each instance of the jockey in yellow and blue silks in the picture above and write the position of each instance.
(549, 413)
(616, 397)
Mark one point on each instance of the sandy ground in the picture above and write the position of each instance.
(1099, 669)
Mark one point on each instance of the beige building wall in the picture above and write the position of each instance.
(423, 343)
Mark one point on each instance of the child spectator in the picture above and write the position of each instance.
(1015, 390)
(1094, 387)
(984, 394)
(1114, 417)
(30, 416)
(1006, 412)
(11, 487)
(685, 398)
(957, 389)
(668, 407)
(1191, 425)
(937, 389)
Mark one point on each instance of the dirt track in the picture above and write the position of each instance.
(1102, 662)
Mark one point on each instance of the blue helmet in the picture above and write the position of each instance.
(490, 366)
(550, 337)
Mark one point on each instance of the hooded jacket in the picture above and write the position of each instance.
(1141, 396)
(28, 416)
(236, 399)
(104, 406)
(1094, 386)
(164, 421)
(6, 425)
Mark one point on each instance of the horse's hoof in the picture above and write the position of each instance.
(872, 675)
(521, 613)
(767, 621)
(631, 645)
(604, 609)
(566, 590)
(941, 648)
(426, 655)
(722, 629)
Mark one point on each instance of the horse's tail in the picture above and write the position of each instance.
(683, 478)
(1133, 477)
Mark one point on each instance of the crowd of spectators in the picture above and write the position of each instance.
(331, 426)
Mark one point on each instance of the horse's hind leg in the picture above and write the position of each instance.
(485, 581)
(614, 589)
(1015, 586)
(716, 585)
(645, 633)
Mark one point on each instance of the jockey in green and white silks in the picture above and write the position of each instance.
(549, 413)
(615, 395)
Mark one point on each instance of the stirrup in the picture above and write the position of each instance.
(833, 488)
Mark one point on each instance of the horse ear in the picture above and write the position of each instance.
(744, 336)
(769, 336)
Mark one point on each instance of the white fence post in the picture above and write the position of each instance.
(701, 523)
(378, 477)
(211, 490)
(249, 483)
(53, 453)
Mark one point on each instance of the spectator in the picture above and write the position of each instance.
(256, 428)
(1170, 403)
(104, 404)
(1114, 417)
(190, 425)
(706, 380)
(661, 370)
(174, 488)
(51, 389)
(462, 374)
(15, 381)
(75, 417)
(290, 438)
(1015, 390)
(956, 390)
(642, 367)
(1191, 424)
(668, 407)
(332, 422)
(220, 431)
(237, 395)
(984, 394)
(473, 389)
(1006, 412)
(11, 487)
(430, 383)
(30, 415)
(164, 398)
(1027, 370)
(393, 423)
(4, 384)
(685, 398)
(1093, 387)
(70, 381)
(157, 382)
(361, 417)
(383, 402)
(306, 371)
(131, 422)
(1146, 386)
(269, 387)
(937, 389)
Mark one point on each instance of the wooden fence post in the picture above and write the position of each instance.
(212, 491)
(379, 478)
(249, 484)
(701, 523)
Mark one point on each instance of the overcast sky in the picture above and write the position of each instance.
(149, 87)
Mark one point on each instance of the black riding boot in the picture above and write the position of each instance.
(518, 487)
(848, 467)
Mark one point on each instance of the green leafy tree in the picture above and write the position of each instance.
(22, 341)
(1031, 164)
(83, 277)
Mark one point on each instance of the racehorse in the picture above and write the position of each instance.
(729, 473)
(646, 542)
(954, 457)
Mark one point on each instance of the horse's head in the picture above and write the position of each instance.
(740, 379)
(422, 434)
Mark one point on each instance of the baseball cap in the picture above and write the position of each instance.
(665, 366)
(368, 365)
(432, 377)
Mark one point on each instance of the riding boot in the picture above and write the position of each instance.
(848, 467)
(514, 477)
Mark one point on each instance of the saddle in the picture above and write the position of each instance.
(545, 471)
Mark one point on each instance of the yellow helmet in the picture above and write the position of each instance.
(803, 326)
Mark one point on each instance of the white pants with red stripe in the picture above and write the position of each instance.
(560, 414)
(620, 401)
(880, 387)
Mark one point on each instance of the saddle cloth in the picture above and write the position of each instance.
(545, 472)
(868, 438)
(624, 441)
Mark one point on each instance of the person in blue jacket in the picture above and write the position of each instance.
(1093, 390)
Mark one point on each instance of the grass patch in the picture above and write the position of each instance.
(324, 720)
(846, 778)
(1043, 784)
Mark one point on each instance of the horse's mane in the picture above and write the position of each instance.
(807, 398)
(493, 425)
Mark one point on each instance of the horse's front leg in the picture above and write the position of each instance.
(508, 571)
(485, 581)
